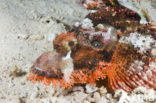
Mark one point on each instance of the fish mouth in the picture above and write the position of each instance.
(40, 72)
(47, 65)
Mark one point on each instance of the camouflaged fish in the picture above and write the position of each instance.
(95, 56)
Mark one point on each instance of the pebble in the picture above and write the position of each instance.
(23, 95)
(97, 97)
(103, 90)
(90, 88)
(52, 10)
(118, 93)
(34, 95)
(85, 101)
(100, 26)
(108, 96)
(140, 90)
(53, 99)
(36, 37)
(11, 84)
(151, 92)
(34, 15)
(78, 88)
(46, 100)
(62, 100)
(90, 99)
(14, 100)
(104, 100)
(22, 36)
(153, 52)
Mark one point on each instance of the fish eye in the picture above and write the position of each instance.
(71, 43)
(56, 46)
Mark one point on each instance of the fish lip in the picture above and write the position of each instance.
(40, 72)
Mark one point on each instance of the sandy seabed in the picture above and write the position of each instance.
(27, 28)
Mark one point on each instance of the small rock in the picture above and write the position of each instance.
(109, 96)
(119, 93)
(149, 98)
(53, 99)
(14, 100)
(77, 24)
(78, 88)
(23, 83)
(62, 100)
(97, 97)
(100, 26)
(122, 96)
(36, 37)
(87, 23)
(153, 51)
(90, 88)
(150, 92)
(22, 36)
(46, 100)
(17, 72)
(23, 95)
(77, 97)
(34, 95)
(90, 99)
(11, 84)
(85, 101)
(103, 90)
(34, 15)
(140, 90)
(104, 100)
(52, 10)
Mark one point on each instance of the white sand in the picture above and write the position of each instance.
(27, 28)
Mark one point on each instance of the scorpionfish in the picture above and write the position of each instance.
(95, 56)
